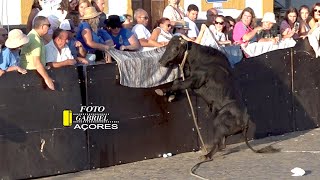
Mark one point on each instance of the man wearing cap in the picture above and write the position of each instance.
(123, 38)
(141, 32)
(57, 51)
(33, 56)
(181, 28)
(10, 58)
(266, 34)
(192, 15)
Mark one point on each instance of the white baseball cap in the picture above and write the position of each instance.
(66, 25)
(269, 17)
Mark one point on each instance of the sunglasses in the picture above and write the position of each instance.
(221, 23)
(168, 25)
(316, 10)
(145, 17)
(49, 25)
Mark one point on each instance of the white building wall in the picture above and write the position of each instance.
(10, 12)
(257, 6)
(118, 7)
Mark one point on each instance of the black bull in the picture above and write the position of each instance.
(211, 78)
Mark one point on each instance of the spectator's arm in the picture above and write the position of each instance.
(17, 68)
(82, 60)
(288, 33)
(87, 36)
(152, 43)
(202, 29)
(155, 34)
(81, 51)
(1, 72)
(149, 43)
(41, 70)
(68, 62)
(251, 34)
(134, 44)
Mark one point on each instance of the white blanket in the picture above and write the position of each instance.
(258, 48)
(142, 69)
(234, 53)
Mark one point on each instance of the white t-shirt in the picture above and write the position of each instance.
(194, 31)
(219, 36)
(174, 15)
(141, 32)
(53, 55)
(164, 36)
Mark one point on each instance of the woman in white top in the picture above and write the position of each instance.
(161, 32)
(219, 31)
(174, 11)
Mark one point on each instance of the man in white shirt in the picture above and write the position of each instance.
(192, 15)
(141, 32)
(58, 53)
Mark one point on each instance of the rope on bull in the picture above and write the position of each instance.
(192, 170)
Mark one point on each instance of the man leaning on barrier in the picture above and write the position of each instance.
(33, 56)
(58, 53)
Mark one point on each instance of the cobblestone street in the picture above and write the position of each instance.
(298, 149)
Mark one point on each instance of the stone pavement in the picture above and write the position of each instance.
(298, 149)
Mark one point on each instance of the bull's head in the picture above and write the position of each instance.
(174, 51)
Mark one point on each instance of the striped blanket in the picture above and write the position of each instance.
(141, 69)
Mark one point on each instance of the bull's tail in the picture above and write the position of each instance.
(267, 149)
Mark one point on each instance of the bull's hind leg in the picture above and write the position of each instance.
(222, 144)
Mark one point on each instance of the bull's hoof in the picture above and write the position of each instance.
(171, 98)
(204, 158)
(159, 92)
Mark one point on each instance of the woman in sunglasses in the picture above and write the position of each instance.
(220, 30)
(315, 14)
(245, 29)
(123, 38)
(161, 32)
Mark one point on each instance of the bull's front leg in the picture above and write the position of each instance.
(177, 85)
(181, 85)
